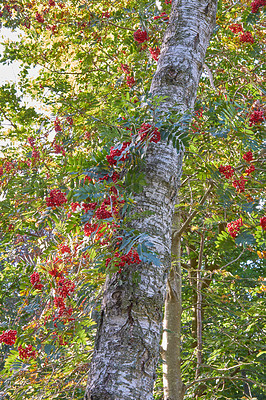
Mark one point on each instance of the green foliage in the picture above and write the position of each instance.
(87, 108)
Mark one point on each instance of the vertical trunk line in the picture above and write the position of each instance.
(174, 388)
(199, 308)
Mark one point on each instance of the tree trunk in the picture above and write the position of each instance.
(199, 309)
(173, 387)
(127, 344)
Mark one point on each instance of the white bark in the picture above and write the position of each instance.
(127, 345)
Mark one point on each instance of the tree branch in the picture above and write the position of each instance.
(230, 378)
(193, 213)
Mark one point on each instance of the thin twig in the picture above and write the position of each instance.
(210, 76)
(224, 377)
(192, 215)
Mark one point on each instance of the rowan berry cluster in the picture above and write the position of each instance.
(263, 223)
(56, 198)
(90, 228)
(155, 53)
(59, 149)
(234, 227)
(116, 154)
(227, 171)
(246, 37)
(106, 14)
(25, 354)
(55, 271)
(249, 170)
(104, 178)
(130, 81)
(131, 257)
(65, 287)
(147, 131)
(35, 281)
(60, 339)
(39, 18)
(35, 154)
(65, 249)
(256, 4)
(164, 16)
(69, 120)
(239, 184)
(103, 213)
(75, 207)
(256, 117)
(89, 206)
(87, 135)
(125, 69)
(7, 167)
(57, 125)
(115, 177)
(63, 310)
(31, 141)
(248, 156)
(59, 302)
(8, 337)
(140, 36)
(236, 28)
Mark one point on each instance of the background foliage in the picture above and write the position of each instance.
(65, 204)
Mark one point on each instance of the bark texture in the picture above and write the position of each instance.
(127, 344)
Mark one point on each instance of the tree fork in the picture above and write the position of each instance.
(128, 339)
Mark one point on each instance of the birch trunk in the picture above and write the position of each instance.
(128, 338)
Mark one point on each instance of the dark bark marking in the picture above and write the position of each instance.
(97, 339)
(130, 318)
(196, 41)
(117, 296)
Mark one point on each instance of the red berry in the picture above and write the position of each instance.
(26, 353)
(56, 198)
(125, 68)
(39, 18)
(147, 131)
(141, 36)
(263, 223)
(8, 337)
(246, 37)
(227, 170)
(248, 156)
(235, 28)
(234, 227)
(240, 184)
(155, 53)
(249, 170)
(256, 117)
(256, 4)
(130, 81)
